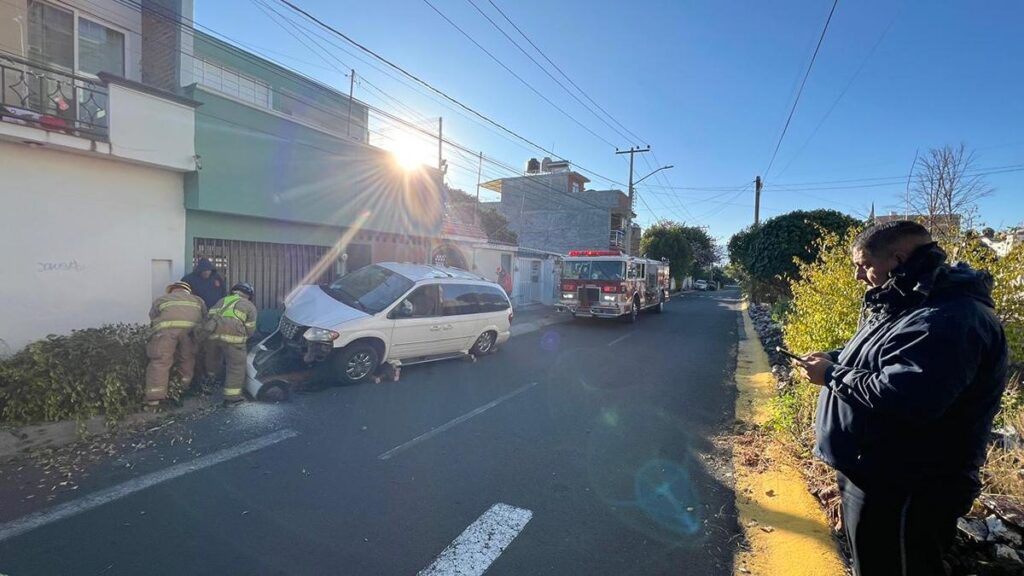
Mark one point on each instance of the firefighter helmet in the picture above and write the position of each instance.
(245, 288)
(179, 285)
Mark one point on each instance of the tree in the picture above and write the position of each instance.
(945, 194)
(768, 253)
(705, 252)
(465, 207)
(667, 240)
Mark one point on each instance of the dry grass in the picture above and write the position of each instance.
(1004, 470)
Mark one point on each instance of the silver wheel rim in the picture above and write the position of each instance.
(359, 365)
(483, 343)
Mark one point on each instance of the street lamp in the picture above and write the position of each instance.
(653, 173)
(629, 218)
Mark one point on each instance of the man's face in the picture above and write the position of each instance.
(206, 274)
(872, 270)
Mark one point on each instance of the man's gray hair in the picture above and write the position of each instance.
(881, 239)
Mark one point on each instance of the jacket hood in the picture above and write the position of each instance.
(961, 279)
(204, 265)
(925, 275)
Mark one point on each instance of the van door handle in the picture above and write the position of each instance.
(435, 328)
(448, 326)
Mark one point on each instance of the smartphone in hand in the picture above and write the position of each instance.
(789, 354)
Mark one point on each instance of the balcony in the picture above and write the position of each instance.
(50, 99)
(616, 239)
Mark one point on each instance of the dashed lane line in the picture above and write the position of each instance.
(453, 422)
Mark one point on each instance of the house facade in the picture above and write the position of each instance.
(549, 208)
(289, 190)
(94, 161)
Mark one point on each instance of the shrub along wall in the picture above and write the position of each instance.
(96, 371)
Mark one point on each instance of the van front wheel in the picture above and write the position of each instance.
(356, 363)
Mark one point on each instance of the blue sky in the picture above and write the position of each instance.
(707, 84)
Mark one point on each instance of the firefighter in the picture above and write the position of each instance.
(173, 318)
(232, 322)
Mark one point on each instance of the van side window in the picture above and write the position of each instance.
(458, 299)
(492, 299)
(424, 301)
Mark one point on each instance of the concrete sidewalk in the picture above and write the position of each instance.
(533, 317)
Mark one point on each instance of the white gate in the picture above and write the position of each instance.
(528, 274)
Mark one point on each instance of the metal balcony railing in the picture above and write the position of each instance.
(616, 239)
(45, 97)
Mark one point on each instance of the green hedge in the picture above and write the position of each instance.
(87, 373)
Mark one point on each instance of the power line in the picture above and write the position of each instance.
(517, 76)
(560, 71)
(545, 70)
(846, 88)
(801, 89)
(436, 90)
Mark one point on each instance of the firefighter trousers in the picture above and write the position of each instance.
(163, 347)
(233, 355)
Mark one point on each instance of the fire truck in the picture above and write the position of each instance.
(610, 284)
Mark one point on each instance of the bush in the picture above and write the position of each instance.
(87, 373)
(770, 254)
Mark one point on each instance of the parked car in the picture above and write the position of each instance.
(390, 312)
(700, 285)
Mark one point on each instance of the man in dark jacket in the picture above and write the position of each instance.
(206, 282)
(906, 407)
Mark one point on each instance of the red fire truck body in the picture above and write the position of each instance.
(609, 284)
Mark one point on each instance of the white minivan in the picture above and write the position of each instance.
(398, 313)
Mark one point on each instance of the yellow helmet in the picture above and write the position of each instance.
(180, 285)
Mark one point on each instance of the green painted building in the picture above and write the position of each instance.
(289, 189)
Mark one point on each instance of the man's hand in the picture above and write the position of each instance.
(814, 367)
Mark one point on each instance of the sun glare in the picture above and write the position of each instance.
(408, 151)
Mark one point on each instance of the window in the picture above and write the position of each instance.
(231, 83)
(51, 36)
(369, 289)
(459, 299)
(100, 49)
(491, 299)
(51, 40)
(423, 303)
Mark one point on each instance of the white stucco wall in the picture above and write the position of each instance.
(148, 128)
(79, 236)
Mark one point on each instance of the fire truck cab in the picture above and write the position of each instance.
(609, 284)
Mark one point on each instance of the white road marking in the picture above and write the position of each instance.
(620, 339)
(481, 543)
(452, 423)
(68, 509)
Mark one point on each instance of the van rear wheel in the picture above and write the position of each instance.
(484, 344)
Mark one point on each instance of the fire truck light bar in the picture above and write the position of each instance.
(594, 253)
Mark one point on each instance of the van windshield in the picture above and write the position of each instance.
(370, 289)
(592, 270)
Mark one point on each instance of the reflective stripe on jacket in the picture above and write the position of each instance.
(176, 310)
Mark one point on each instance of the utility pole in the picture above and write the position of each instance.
(440, 141)
(758, 183)
(351, 90)
(629, 217)
(479, 174)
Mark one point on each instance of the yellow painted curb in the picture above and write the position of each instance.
(785, 527)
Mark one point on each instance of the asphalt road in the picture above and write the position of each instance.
(598, 437)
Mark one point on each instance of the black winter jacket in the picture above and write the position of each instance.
(211, 289)
(913, 394)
